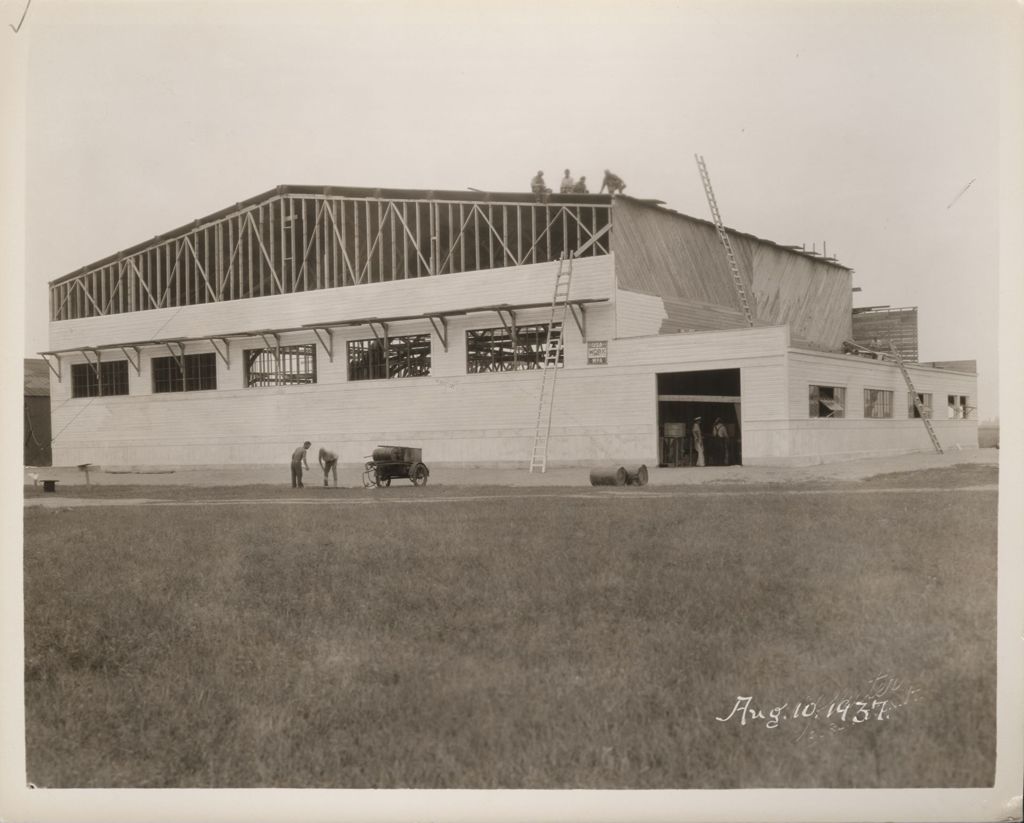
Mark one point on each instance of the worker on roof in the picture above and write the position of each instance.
(537, 185)
(614, 183)
(298, 461)
(329, 464)
(581, 185)
(567, 183)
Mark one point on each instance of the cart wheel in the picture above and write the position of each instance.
(419, 474)
(385, 481)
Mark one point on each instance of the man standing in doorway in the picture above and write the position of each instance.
(698, 442)
(298, 461)
(329, 463)
(721, 435)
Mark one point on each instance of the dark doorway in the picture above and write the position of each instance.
(705, 398)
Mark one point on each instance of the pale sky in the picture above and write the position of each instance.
(855, 124)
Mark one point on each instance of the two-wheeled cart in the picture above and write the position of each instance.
(389, 462)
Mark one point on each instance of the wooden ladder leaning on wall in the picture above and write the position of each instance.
(553, 346)
(897, 358)
(723, 235)
(917, 400)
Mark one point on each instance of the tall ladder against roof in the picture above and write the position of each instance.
(741, 290)
(917, 400)
(552, 354)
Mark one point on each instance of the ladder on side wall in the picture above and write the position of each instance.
(917, 400)
(552, 354)
(741, 290)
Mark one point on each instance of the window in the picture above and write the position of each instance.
(378, 359)
(925, 399)
(524, 347)
(193, 372)
(281, 366)
(112, 379)
(956, 407)
(877, 403)
(827, 401)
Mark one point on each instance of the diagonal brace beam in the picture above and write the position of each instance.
(440, 324)
(56, 371)
(327, 342)
(579, 314)
(224, 355)
(137, 362)
(179, 356)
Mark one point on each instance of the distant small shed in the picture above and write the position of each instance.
(37, 414)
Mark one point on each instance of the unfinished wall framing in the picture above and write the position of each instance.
(290, 242)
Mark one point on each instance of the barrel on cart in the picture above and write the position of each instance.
(389, 462)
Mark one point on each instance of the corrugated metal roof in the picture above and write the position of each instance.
(37, 378)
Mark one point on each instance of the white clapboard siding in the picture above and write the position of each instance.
(854, 435)
(593, 278)
(637, 314)
(601, 412)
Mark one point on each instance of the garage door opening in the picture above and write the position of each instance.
(709, 399)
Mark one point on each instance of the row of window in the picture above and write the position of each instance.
(830, 401)
(487, 350)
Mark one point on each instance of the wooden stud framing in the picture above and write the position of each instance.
(344, 239)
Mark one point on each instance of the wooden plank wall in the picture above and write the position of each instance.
(681, 259)
(876, 329)
(815, 298)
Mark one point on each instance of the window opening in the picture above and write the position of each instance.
(925, 399)
(827, 401)
(406, 355)
(516, 349)
(877, 403)
(195, 372)
(956, 407)
(281, 366)
(112, 380)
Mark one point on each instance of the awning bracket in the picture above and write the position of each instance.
(328, 342)
(179, 356)
(579, 314)
(440, 324)
(56, 371)
(224, 355)
(137, 362)
(95, 365)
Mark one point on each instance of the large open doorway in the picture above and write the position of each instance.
(709, 399)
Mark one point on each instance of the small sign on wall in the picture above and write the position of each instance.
(597, 352)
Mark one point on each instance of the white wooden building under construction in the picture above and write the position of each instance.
(354, 317)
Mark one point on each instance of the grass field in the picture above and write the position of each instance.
(558, 639)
